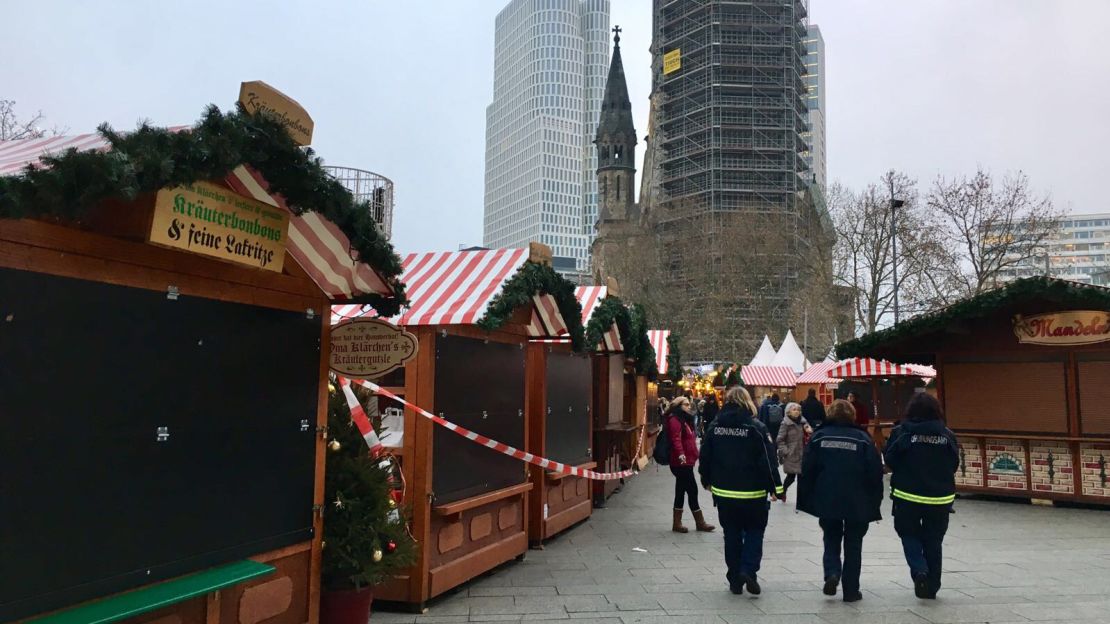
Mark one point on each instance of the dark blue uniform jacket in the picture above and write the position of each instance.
(842, 475)
(738, 457)
(923, 456)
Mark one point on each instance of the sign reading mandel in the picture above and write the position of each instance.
(1076, 327)
(211, 220)
(368, 348)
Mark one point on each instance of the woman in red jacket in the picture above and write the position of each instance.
(684, 454)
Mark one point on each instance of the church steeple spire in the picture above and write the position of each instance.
(616, 143)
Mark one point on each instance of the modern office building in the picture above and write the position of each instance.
(1080, 251)
(814, 135)
(550, 62)
(729, 138)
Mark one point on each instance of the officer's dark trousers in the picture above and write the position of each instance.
(922, 528)
(851, 535)
(743, 523)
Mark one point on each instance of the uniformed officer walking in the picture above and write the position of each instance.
(842, 484)
(924, 456)
(739, 467)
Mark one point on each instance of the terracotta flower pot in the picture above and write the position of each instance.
(347, 606)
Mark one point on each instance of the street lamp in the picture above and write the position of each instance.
(894, 205)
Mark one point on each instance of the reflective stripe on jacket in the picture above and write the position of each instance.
(923, 456)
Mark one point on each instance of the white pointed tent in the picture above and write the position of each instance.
(765, 355)
(789, 354)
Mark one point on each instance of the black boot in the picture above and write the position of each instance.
(921, 587)
(855, 596)
(751, 584)
(830, 585)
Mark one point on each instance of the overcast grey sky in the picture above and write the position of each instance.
(400, 87)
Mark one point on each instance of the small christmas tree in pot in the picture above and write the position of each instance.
(366, 539)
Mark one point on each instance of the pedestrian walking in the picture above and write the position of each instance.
(790, 443)
(684, 454)
(842, 485)
(771, 415)
(738, 467)
(813, 410)
(711, 409)
(923, 455)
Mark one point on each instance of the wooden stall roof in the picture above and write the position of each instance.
(590, 298)
(316, 244)
(855, 368)
(1030, 294)
(658, 340)
(458, 287)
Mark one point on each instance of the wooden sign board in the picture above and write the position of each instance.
(258, 96)
(213, 221)
(1075, 327)
(369, 348)
(672, 61)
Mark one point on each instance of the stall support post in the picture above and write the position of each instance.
(534, 429)
(316, 561)
(420, 389)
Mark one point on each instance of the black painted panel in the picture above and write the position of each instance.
(91, 503)
(480, 386)
(568, 426)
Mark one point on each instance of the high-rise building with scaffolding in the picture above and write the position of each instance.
(731, 176)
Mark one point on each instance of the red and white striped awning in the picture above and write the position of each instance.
(768, 376)
(315, 243)
(868, 367)
(589, 297)
(817, 374)
(456, 288)
(658, 340)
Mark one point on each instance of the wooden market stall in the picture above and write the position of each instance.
(767, 380)
(1023, 373)
(816, 378)
(885, 388)
(161, 299)
(474, 313)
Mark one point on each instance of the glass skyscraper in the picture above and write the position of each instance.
(815, 102)
(550, 62)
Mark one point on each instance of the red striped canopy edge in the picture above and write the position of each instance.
(768, 376)
(869, 367)
(658, 340)
(457, 287)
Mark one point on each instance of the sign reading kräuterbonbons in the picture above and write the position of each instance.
(368, 348)
(1074, 327)
(257, 96)
(213, 221)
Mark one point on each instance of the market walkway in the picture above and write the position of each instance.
(1005, 562)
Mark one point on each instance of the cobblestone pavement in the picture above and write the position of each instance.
(1004, 562)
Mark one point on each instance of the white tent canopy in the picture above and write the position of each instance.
(790, 354)
(765, 355)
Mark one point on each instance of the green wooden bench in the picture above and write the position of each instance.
(158, 596)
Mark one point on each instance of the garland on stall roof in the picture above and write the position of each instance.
(674, 357)
(151, 158)
(640, 348)
(532, 279)
(635, 340)
(1049, 289)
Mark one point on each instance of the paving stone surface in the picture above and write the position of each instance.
(1004, 562)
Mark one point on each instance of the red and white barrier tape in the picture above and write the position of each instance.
(504, 449)
(358, 416)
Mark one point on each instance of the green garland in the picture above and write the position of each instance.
(531, 279)
(154, 158)
(639, 347)
(636, 344)
(1063, 292)
(674, 357)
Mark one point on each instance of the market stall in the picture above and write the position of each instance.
(767, 380)
(161, 299)
(883, 387)
(816, 378)
(473, 314)
(1023, 372)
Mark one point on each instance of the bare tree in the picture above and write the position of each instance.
(13, 128)
(865, 253)
(991, 225)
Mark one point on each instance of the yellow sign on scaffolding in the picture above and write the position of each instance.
(672, 61)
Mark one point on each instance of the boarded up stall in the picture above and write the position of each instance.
(1022, 372)
(473, 314)
(176, 302)
(816, 378)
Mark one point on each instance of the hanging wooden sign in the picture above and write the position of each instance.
(213, 221)
(369, 348)
(258, 96)
(1075, 327)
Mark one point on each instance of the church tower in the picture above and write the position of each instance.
(616, 147)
